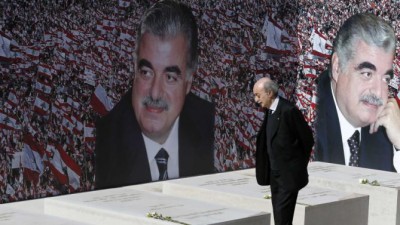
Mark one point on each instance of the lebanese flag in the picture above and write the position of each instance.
(89, 77)
(43, 87)
(309, 71)
(17, 55)
(320, 45)
(126, 48)
(101, 42)
(124, 4)
(8, 122)
(227, 59)
(32, 159)
(64, 105)
(63, 166)
(56, 108)
(78, 128)
(126, 34)
(67, 123)
(89, 133)
(109, 23)
(314, 99)
(12, 99)
(45, 70)
(42, 105)
(5, 53)
(75, 104)
(100, 101)
(33, 52)
(273, 33)
(10, 190)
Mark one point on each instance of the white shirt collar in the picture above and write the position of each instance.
(171, 146)
(346, 130)
(274, 104)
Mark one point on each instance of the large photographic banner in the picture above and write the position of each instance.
(65, 64)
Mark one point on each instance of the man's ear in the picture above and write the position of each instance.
(269, 93)
(335, 67)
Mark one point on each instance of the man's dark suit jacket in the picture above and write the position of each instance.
(376, 150)
(121, 157)
(291, 141)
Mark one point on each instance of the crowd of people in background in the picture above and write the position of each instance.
(55, 54)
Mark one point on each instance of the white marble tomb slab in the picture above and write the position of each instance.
(152, 186)
(129, 206)
(315, 206)
(10, 215)
(384, 200)
(34, 206)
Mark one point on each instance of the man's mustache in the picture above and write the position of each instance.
(372, 99)
(148, 101)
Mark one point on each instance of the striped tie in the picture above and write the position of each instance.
(162, 162)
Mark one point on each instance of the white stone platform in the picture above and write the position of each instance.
(384, 199)
(130, 206)
(315, 206)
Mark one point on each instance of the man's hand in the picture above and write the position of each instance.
(390, 119)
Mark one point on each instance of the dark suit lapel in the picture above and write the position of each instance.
(334, 134)
(328, 132)
(188, 144)
(134, 158)
(273, 122)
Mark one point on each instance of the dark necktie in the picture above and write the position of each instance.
(354, 144)
(162, 162)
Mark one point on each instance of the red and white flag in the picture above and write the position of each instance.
(100, 101)
(126, 34)
(67, 123)
(78, 128)
(32, 159)
(89, 132)
(63, 166)
(89, 77)
(124, 3)
(63, 104)
(43, 87)
(321, 46)
(56, 108)
(309, 71)
(74, 103)
(227, 58)
(8, 122)
(12, 100)
(45, 70)
(42, 105)
(5, 53)
(274, 34)
(32, 52)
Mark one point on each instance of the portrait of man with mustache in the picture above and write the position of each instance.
(357, 123)
(159, 130)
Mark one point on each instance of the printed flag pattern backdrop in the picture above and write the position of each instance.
(68, 65)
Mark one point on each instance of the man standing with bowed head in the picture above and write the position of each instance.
(357, 124)
(159, 130)
(284, 145)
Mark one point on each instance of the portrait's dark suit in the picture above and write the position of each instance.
(376, 151)
(121, 157)
(284, 144)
